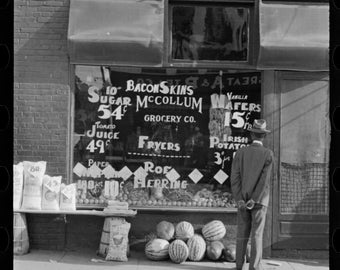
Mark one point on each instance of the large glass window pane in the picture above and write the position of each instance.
(154, 139)
(213, 33)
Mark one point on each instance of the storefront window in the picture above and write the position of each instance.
(154, 139)
(209, 32)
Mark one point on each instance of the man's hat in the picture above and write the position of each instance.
(259, 126)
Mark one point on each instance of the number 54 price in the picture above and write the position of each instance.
(118, 113)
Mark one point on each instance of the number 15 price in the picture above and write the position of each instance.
(238, 116)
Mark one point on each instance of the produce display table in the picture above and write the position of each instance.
(117, 216)
(117, 213)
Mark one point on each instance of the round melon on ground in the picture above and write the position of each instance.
(178, 251)
(157, 249)
(165, 230)
(197, 247)
(214, 250)
(229, 253)
(184, 230)
(214, 230)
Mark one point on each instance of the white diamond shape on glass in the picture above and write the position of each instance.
(125, 173)
(94, 171)
(109, 172)
(195, 176)
(221, 176)
(140, 173)
(172, 175)
(79, 169)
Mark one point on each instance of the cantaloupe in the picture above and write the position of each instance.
(214, 250)
(165, 230)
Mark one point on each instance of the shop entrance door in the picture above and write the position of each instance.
(300, 194)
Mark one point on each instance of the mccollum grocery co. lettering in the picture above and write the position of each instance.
(192, 103)
(176, 95)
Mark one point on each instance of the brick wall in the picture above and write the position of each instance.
(41, 83)
(84, 232)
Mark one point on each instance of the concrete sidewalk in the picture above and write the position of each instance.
(88, 260)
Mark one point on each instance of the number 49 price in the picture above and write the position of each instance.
(94, 145)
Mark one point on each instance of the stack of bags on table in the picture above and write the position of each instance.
(116, 207)
(35, 190)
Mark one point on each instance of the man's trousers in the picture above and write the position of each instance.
(250, 223)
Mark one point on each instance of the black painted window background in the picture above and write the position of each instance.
(205, 137)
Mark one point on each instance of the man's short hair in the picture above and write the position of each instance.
(259, 135)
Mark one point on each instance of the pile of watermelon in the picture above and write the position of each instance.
(180, 243)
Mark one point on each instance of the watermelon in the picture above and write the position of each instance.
(197, 247)
(178, 251)
(214, 230)
(184, 230)
(165, 230)
(229, 253)
(157, 249)
(214, 250)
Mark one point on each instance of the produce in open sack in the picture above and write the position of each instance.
(18, 184)
(165, 230)
(157, 249)
(214, 250)
(51, 192)
(32, 193)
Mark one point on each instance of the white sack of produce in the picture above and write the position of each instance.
(119, 242)
(51, 192)
(68, 197)
(33, 175)
(18, 184)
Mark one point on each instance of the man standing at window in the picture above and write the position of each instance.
(250, 184)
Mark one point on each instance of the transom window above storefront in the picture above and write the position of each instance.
(159, 33)
(209, 32)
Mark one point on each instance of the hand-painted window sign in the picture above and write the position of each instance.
(174, 133)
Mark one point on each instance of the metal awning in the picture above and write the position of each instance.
(116, 32)
(294, 36)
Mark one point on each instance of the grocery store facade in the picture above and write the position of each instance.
(147, 102)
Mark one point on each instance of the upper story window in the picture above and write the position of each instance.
(209, 32)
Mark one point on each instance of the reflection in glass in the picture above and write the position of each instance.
(210, 33)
